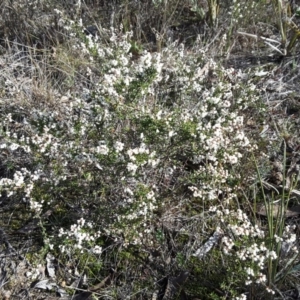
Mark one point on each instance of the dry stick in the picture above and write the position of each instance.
(265, 40)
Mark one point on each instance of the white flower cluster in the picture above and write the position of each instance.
(241, 297)
(137, 212)
(139, 157)
(101, 149)
(78, 237)
(288, 242)
(246, 242)
(133, 152)
(22, 182)
(119, 146)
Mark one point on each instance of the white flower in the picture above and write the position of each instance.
(102, 149)
(114, 62)
(172, 133)
(97, 250)
(131, 167)
(150, 195)
(13, 146)
(249, 271)
(261, 278)
(131, 153)
(272, 254)
(241, 297)
(81, 222)
(128, 191)
(270, 291)
(119, 146)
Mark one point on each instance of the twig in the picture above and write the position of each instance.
(267, 41)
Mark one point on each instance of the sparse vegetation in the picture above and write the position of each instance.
(149, 149)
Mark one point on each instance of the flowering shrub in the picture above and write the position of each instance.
(140, 138)
(250, 246)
